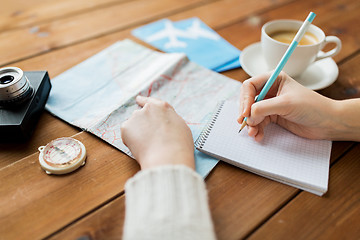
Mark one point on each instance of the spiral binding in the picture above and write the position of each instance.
(207, 129)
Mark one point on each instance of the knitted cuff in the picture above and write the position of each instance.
(167, 202)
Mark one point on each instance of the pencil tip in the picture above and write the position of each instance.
(242, 125)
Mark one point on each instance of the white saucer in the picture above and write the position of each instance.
(319, 75)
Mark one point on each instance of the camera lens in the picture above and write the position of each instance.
(14, 87)
(6, 79)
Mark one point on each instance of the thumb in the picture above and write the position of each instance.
(271, 106)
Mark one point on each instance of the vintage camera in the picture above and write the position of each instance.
(22, 99)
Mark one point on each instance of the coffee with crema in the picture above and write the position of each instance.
(303, 56)
(288, 36)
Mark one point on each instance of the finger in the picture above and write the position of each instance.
(273, 106)
(260, 134)
(249, 90)
(136, 112)
(281, 80)
(259, 81)
(141, 100)
(252, 131)
(123, 130)
(130, 120)
(247, 95)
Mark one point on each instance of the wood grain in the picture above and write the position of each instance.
(33, 204)
(334, 216)
(223, 13)
(58, 33)
(106, 223)
(348, 83)
(212, 14)
(19, 13)
(97, 22)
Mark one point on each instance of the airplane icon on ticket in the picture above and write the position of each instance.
(195, 31)
(191, 36)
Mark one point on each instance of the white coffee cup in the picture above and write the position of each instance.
(303, 55)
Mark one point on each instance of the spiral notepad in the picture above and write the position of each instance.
(281, 156)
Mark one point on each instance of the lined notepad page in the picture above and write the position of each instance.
(281, 155)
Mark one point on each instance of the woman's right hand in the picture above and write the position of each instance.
(290, 105)
(156, 135)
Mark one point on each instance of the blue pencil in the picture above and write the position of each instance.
(283, 60)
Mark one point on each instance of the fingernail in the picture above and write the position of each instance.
(243, 113)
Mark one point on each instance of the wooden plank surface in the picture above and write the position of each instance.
(42, 34)
(106, 223)
(348, 82)
(76, 28)
(334, 216)
(34, 205)
(19, 13)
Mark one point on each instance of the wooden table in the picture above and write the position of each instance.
(56, 35)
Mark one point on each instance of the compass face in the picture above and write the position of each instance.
(62, 152)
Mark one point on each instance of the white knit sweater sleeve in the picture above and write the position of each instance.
(168, 202)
